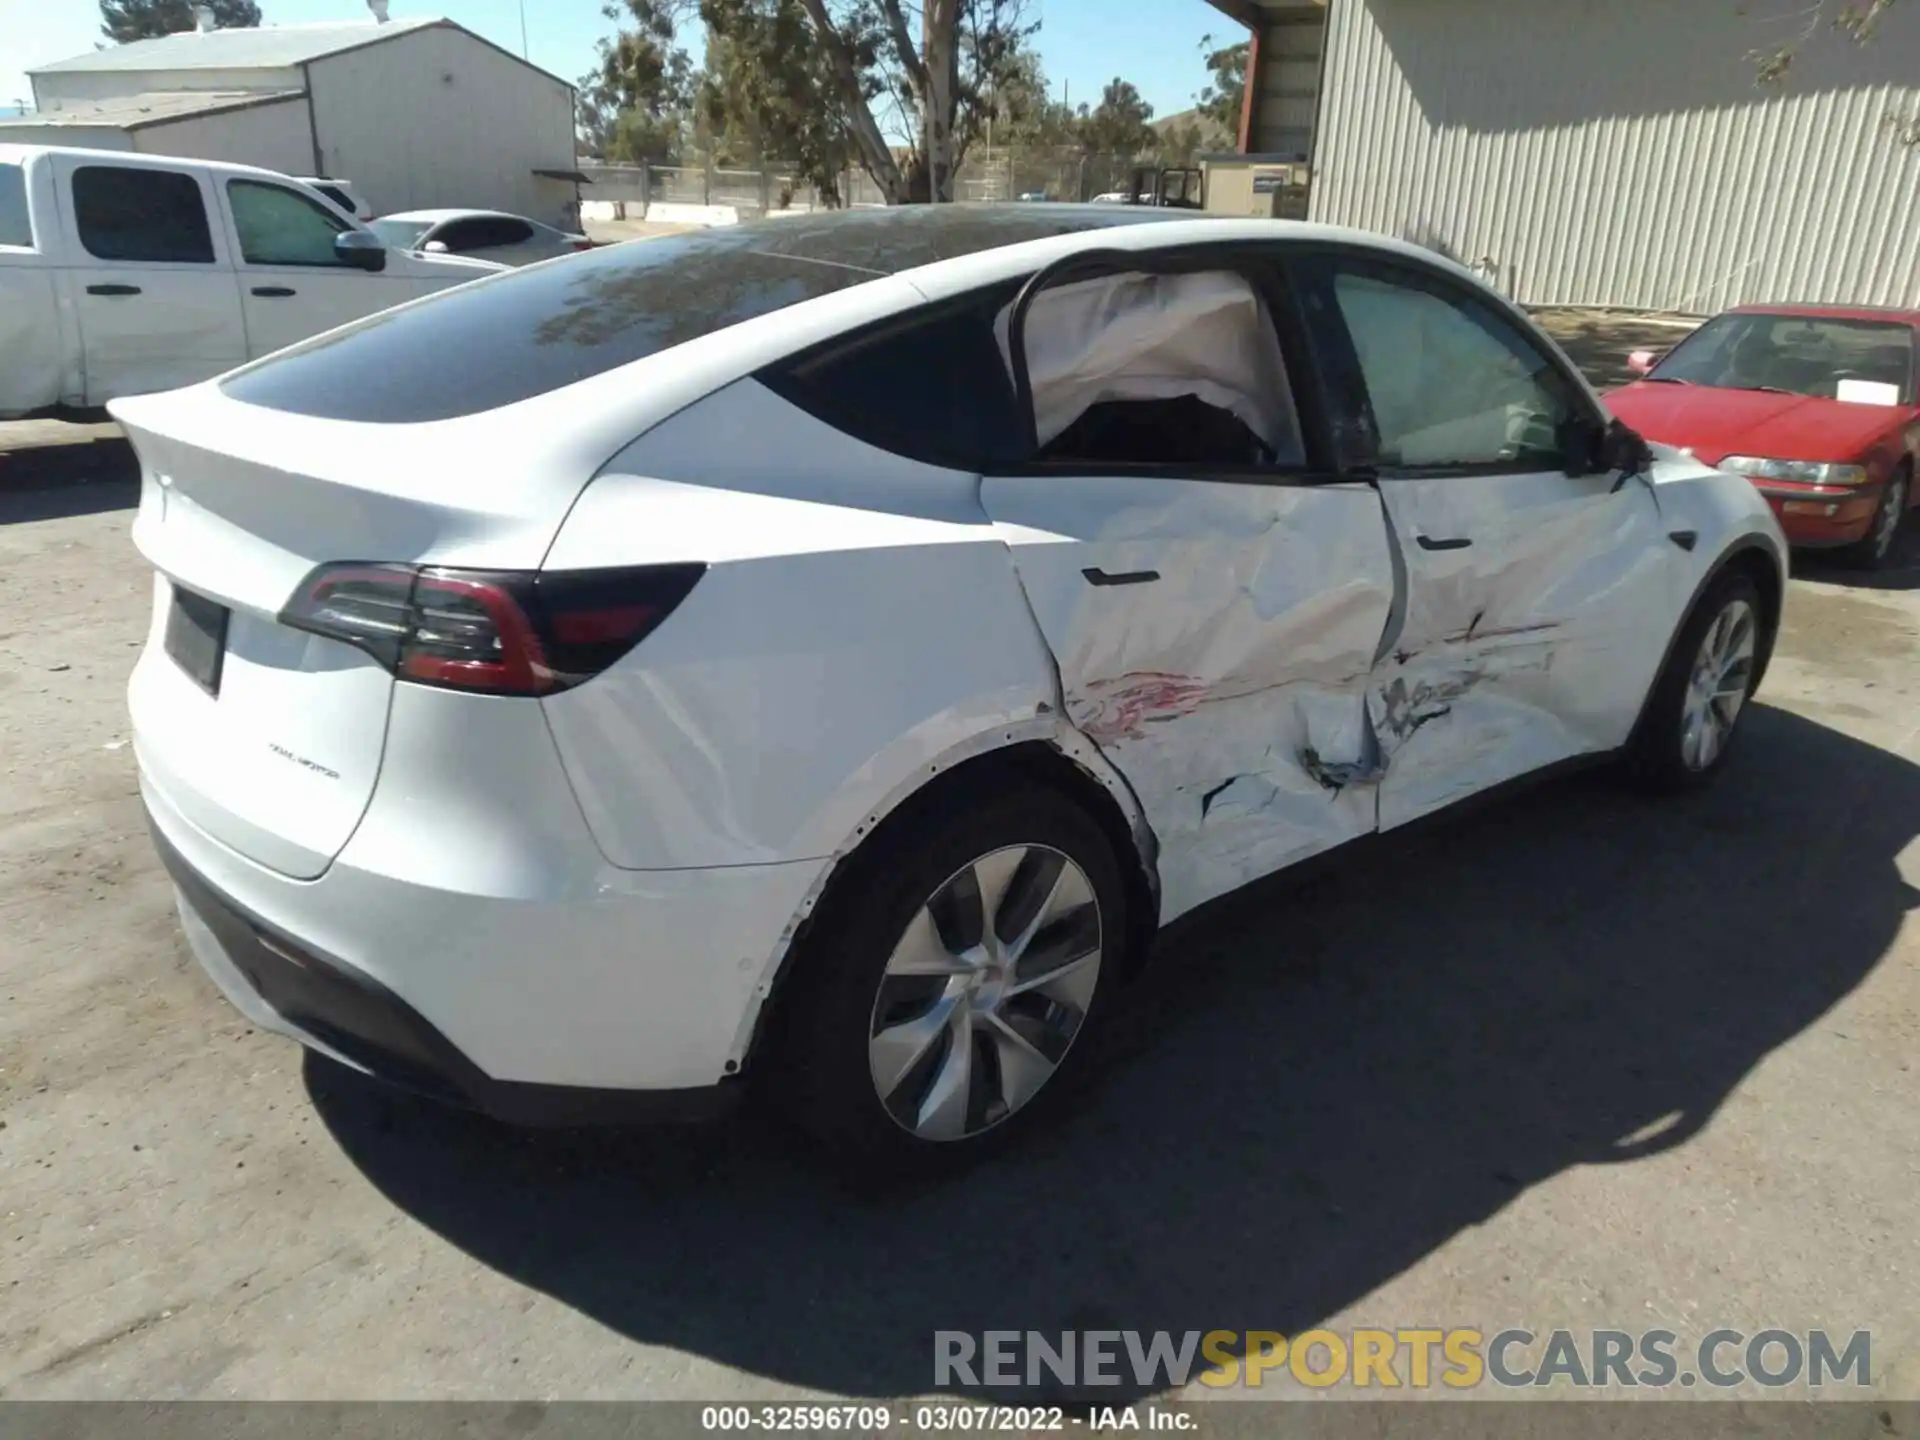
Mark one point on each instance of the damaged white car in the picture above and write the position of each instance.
(822, 652)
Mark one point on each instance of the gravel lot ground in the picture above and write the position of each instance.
(1576, 1060)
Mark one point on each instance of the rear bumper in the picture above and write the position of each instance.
(471, 941)
(344, 1013)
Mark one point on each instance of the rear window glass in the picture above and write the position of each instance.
(934, 387)
(516, 336)
(16, 226)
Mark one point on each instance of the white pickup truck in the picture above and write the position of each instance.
(122, 274)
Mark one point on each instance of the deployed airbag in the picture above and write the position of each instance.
(1157, 337)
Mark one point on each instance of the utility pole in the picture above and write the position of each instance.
(523, 30)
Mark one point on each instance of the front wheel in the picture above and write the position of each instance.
(940, 1004)
(1872, 550)
(1693, 714)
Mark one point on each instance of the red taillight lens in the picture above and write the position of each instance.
(583, 244)
(472, 633)
(496, 632)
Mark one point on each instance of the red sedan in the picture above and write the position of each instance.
(1814, 404)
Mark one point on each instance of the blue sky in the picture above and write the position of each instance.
(1085, 43)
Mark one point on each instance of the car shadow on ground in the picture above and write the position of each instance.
(1341, 1073)
(1900, 572)
(57, 482)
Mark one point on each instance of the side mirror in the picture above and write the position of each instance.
(1592, 447)
(362, 249)
(1583, 443)
(435, 247)
(1624, 450)
(1641, 362)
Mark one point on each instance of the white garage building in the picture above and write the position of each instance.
(1609, 152)
(414, 112)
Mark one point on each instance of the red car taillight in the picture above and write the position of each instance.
(495, 632)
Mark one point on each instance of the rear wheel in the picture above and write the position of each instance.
(1873, 550)
(1694, 712)
(943, 1004)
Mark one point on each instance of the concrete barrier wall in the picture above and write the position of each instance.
(661, 213)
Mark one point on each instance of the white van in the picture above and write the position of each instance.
(122, 274)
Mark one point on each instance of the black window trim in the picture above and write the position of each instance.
(527, 236)
(479, 224)
(788, 376)
(241, 258)
(1255, 260)
(1437, 281)
(451, 227)
(215, 241)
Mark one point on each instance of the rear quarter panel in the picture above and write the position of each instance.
(861, 627)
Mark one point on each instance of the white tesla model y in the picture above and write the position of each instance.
(825, 650)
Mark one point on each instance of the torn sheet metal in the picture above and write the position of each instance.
(1209, 686)
(1530, 643)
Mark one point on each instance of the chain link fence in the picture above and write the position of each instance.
(634, 190)
(989, 173)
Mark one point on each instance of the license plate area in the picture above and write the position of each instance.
(197, 637)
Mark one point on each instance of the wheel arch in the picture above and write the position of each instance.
(1762, 563)
(1760, 560)
(1057, 757)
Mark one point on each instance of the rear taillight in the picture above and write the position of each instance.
(583, 245)
(496, 632)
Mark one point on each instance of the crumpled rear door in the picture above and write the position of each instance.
(1215, 639)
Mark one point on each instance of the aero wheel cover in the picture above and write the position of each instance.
(985, 992)
(1717, 687)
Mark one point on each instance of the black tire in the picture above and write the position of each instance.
(818, 1067)
(1875, 549)
(1656, 757)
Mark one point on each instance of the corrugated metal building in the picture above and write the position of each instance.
(415, 112)
(1278, 114)
(1619, 152)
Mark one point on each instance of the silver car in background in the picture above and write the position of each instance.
(480, 234)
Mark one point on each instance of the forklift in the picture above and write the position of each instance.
(1174, 188)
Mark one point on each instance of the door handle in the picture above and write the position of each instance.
(113, 289)
(1096, 576)
(273, 292)
(1427, 542)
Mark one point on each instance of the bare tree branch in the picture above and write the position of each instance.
(873, 145)
(1856, 20)
(904, 48)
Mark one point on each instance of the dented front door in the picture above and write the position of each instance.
(1536, 596)
(1537, 608)
(1215, 639)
